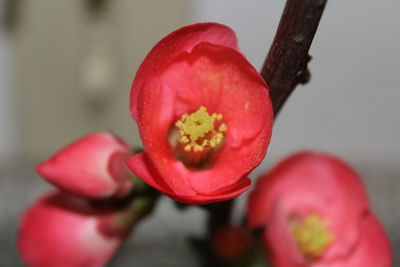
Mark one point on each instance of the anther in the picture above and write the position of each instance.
(199, 130)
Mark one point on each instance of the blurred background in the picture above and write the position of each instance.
(66, 68)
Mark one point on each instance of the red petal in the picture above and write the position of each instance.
(177, 42)
(240, 187)
(89, 166)
(142, 166)
(222, 80)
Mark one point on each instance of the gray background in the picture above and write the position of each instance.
(350, 108)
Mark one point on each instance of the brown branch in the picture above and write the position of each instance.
(284, 68)
(286, 64)
(219, 215)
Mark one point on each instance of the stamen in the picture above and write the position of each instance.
(311, 236)
(198, 130)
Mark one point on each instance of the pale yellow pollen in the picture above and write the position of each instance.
(197, 130)
(311, 236)
(223, 128)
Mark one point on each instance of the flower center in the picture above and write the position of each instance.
(200, 130)
(311, 236)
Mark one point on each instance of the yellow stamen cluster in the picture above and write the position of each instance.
(311, 236)
(197, 130)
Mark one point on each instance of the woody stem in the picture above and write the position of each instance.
(284, 68)
(286, 64)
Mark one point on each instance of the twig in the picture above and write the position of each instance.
(286, 64)
(219, 215)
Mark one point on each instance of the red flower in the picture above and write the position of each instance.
(61, 230)
(316, 213)
(204, 116)
(93, 166)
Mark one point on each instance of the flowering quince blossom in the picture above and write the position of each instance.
(62, 230)
(203, 113)
(93, 166)
(316, 213)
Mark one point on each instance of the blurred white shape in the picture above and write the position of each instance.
(98, 72)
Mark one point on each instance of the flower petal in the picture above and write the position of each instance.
(221, 79)
(179, 41)
(308, 183)
(240, 187)
(373, 248)
(316, 174)
(93, 166)
(142, 166)
(62, 230)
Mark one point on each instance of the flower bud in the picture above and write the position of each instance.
(62, 230)
(93, 166)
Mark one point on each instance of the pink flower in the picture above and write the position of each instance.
(62, 230)
(204, 116)
(316, 213)
(93, 166)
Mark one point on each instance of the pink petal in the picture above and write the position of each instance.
(316, 174)
(61, 230)
(308, 183)
(373, 248)
(92, 166)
